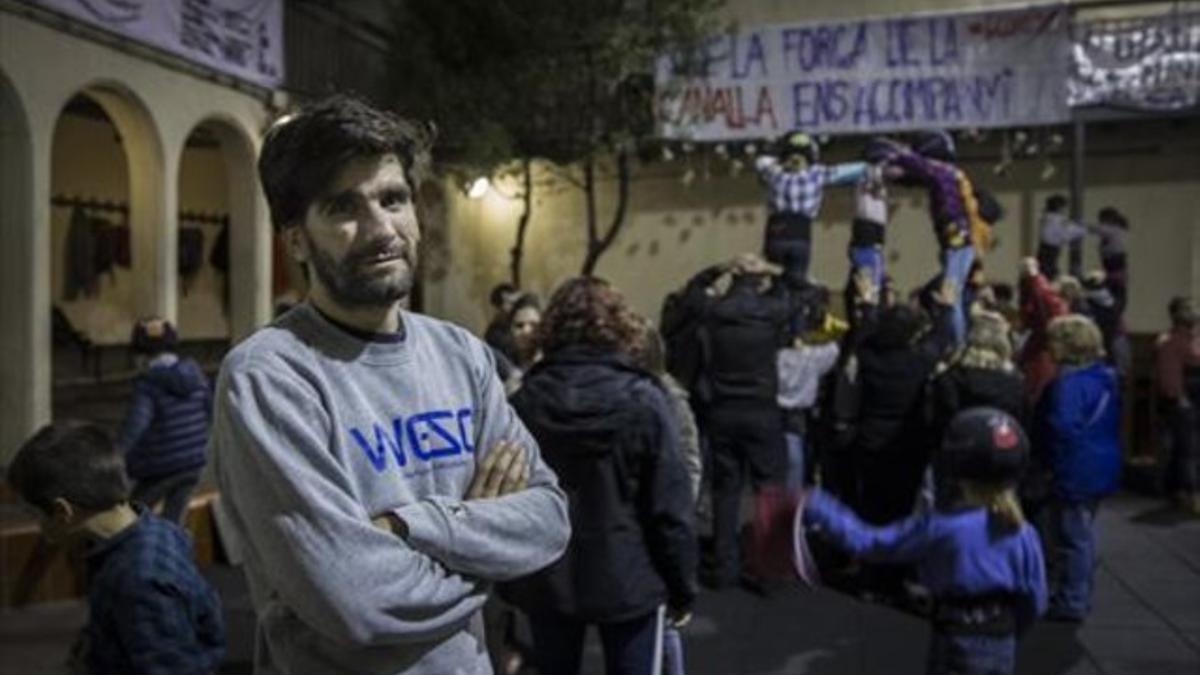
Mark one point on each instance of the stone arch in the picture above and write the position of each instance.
(249, 242)
(151, 198)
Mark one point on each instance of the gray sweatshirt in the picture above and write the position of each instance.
(315, 433)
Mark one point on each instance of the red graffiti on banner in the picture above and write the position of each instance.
(705, 104)
(1007, 25)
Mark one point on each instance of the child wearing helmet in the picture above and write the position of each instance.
(929, 163)
(868, 229)
(796, 181)
(978, 557)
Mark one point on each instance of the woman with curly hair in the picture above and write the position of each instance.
(607, 428)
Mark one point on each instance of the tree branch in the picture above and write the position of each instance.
(618, 218)
(597, 246)
(518, 249)
(589, 189)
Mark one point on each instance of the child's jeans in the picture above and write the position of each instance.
(1047, 257)
(971, 654)
(956, 267)
(870, 257)
(788, 243)
(795, 457)
(1074, 541)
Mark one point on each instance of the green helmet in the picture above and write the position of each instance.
(799, 143)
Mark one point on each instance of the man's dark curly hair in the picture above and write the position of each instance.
(589, 311)
(303, 151)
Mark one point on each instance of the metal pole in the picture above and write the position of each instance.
(1078, 150)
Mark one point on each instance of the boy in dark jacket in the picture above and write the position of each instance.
(1077, 438)
(150, 611)
(166, 427)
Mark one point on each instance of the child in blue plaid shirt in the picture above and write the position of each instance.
(796, 184)
(150, 611)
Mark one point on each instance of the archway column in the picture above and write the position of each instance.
(25, 339)
(155, 244)
(153, 204)
(250, 237)
(250, 259)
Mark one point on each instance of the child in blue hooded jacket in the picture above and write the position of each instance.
(980, 560)
(165, 430)
(1078, 442)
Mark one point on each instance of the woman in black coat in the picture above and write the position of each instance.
(607, 429)
(982, 374)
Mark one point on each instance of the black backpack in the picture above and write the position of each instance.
(989, 209)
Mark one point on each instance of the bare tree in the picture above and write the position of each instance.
(569, 82)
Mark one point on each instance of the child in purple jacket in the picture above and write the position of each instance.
(929, 164)
(980, 560)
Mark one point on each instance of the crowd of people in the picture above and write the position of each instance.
(407, 498)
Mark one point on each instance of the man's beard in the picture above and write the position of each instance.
(349, 282)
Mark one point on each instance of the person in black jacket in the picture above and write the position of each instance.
(607, 429)
(895, 358)
(743, 330)
(981, 374)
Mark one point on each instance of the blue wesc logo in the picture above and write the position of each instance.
(425, 436)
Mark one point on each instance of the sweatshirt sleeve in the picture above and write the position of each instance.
(505, 537)
(296, 514)
(847, 172)
(914, 165)
(1031, 598)
(1073, 231)
(903, 541)
(665, 500)
(137, 418)
(689, 440)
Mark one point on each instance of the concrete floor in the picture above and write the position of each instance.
(1146, 620)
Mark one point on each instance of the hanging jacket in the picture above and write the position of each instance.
(108, 246)
(219, 256)
(607, 430)
(1078, 432)
(80, 263)
(166, 428)
(191, 255)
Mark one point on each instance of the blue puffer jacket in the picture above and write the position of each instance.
(1078, 432)
(166, 428)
